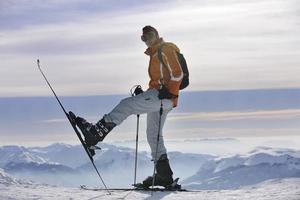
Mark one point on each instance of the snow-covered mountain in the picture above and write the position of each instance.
(65, 154)
(113, 157)
(17, 154)
(26, 163)
(114, 161)
(187, 164)
(240, 170)
(67, 165)
(35, 164)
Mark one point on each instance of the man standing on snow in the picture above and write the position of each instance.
(163, 91)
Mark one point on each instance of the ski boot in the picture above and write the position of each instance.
(94, 133)
(163, 177)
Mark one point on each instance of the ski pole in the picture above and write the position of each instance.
(62, 107)
(157, 141)
(136, 147)
(137, 90)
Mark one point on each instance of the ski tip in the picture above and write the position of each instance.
(38, 63)
(72, 115)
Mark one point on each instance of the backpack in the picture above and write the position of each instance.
(185, 80)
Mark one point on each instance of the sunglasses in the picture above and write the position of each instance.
(147, 36)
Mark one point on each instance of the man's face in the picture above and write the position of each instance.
(149, 38)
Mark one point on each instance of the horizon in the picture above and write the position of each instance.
(212, 114)
(218, 146)
(50, 94)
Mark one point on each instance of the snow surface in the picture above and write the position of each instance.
(285, 189)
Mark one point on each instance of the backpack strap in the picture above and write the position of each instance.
(162, 64)
(159, 54)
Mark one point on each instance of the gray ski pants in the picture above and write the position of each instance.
(147, 102)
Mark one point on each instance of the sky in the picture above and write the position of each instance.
(270, 115)
(89, 48)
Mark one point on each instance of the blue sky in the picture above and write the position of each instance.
(90, 48)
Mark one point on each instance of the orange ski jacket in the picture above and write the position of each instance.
(169, 76)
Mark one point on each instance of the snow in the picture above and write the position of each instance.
(284, 189)
(228, 162)
(7, 180)
(263, 173)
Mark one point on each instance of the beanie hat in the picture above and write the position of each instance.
(148, 29)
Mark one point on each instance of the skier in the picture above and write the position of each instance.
(163, 91)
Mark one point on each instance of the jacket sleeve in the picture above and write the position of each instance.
(173, 65)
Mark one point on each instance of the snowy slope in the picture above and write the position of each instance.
(286, 189)
(7, 180)
(240, 170)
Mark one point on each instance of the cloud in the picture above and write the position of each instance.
(21, 13)
(228, 45)
(60, 120)
(231, 116)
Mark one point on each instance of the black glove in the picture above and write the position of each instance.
(164, 93)
(138, 90)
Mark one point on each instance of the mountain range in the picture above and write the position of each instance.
(235, 171)
(67, 165)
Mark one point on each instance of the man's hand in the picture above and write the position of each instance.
(164, 93)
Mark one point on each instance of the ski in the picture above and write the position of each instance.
(71, 118)
(155, 189)
(173, 187)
